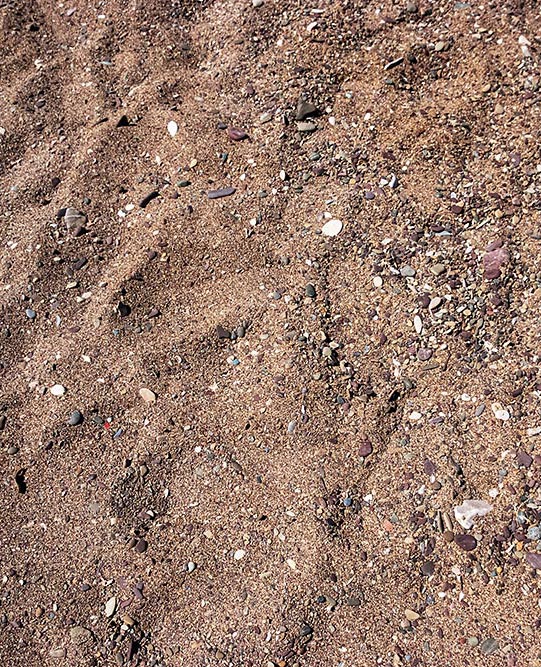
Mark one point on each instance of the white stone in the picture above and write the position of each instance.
(332, 228)
(470, 509)
(239, 554)
(172, 128)
(57, 390)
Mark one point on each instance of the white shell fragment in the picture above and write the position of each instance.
(57, 390)
(332, 227)
(470, 509)
(500, 412)
(172, 128)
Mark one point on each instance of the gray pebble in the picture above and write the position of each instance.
(534, 533)
(407, 272)
(75, 418)
(310, 291)
(489, 646)
(31, 314)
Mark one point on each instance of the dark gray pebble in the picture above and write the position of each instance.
(310, 291)
(146, 200)
(75, 418)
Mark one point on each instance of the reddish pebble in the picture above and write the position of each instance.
(236, 134)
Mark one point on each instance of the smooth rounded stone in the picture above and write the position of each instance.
(223, 192)
(190, 566)
(110, 607)
(407, 272)
(427, 568)
(437, 269)
(236, 134)
(310, 291)
(424, 354)
(141, 546)
(332, 227)
(306, 126)
(57, 653)
(473, 642)
(80, 635)
(348, 502)
(257, 3)
(378, 281)
(172, 128)
(75, 418)
(465, 541)
(74, 218)
(411, 615)
(57, 390)
(523, 459)
(365, 448)
(239, 554)
(31, 314)
(147, 395)
(489, 646)
(13, 450)
(222, 333)
(493, 262)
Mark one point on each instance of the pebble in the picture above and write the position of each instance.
(236, 134)
(466, 542)
(306, 126)
(172, 128)
(407, 272)
(418, 324)
(141, 546)
(378, 281)
(534, 533)
(473, 642)
(365, 448)
(411, 615)
(110, 607)
(489, 646)
(427, 568)
(493, 261)
(305, 109)
(57, 653)
(80, 635)
(13, 450)
(534, 560)
(147, 395)
(75, 418)
(353, 602)
(257, 3)
(57, 390)
(190, 567)
(424, 354)
(310, 291)
(224, 192)
(437, 269)
(500, 412)
(239, 554)
(332, 228)
(31, 314)
(146, 200)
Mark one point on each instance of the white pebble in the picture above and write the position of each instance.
(110, 606)
(239, 554)
(415, 416)
(418, 324)
(332, 227)
(172, 128)
(378, 281)
(57, 390)
(500, 412)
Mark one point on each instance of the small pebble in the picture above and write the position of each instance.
(75, 418)
(31, 314)
(407, 272)
(310, 291)
(147, 395)
(57, 390)
(172, 128)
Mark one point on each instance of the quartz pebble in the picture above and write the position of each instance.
(172, 128)
(147, 395)
(57, 390)
(332, 227)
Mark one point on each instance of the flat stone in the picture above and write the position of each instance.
(224, 192)
(411, 615)
(306, 126)
(489, 646)
(310, 291)
(332, 227)
(466, 542)
(57, 390)
(305, 109)
(437, 269)
(407, 272)
(80, 635)
(147, 395)
(110, 607)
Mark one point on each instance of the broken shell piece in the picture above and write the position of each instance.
(470, 509)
